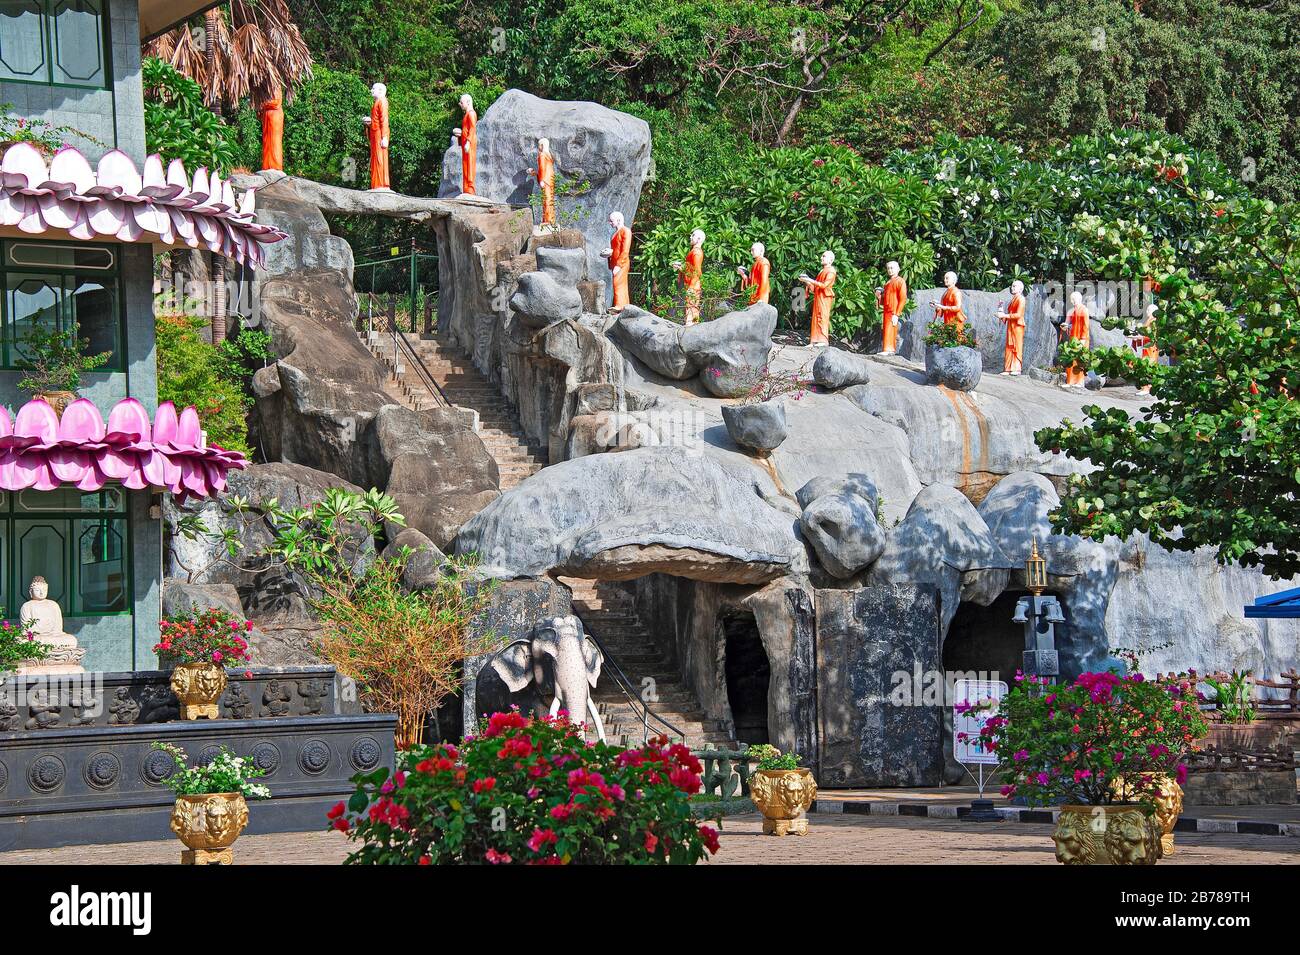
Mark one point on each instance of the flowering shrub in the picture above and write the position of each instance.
(19, 644)
(945, 335)
(528, 792)
(768, 756)
(1102, 739)
(225, 773)
(204, 636)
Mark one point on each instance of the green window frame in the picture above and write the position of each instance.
(64, 286)
(80, 542)
(55, 43)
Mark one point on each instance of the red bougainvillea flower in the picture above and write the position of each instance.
(497, 858)
(541, 838)
(484, 785)
(710, 837)
(651, 840)
(336, 810)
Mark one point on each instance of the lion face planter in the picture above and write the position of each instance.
(783, 797)
(208, 825)
(1107, 835)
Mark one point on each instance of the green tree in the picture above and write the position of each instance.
(1214, 460)
(178, 126)
(1223, 74)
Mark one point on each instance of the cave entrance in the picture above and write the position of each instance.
(984, 642)
(748, 674)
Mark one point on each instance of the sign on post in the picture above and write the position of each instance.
(968, 718)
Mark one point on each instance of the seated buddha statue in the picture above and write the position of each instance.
(44, 618)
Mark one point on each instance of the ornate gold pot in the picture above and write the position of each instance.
(198, 686)
(1106, 835)
(209, 825)
(58, 400)
(783, 797)
(1169, 806)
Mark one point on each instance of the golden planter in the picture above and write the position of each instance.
(1107, 835)
(198, 686)
(208, 825)
(1169, 806)
(783, 797)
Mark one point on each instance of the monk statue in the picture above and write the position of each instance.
(1075, 327)
(545, 176)
(949, 307)
(467, 138)
(758, 276)
(377, 130)
(691, 274)
(823, 293)
(273, 134)
(44, 618)
(619, 255)
(1014, 353)
(892, 298)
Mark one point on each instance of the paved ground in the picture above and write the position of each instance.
(832, 840)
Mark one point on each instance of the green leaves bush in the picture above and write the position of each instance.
(178, 126)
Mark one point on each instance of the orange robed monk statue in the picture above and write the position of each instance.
(1145, 345)
(691, 273)
(545, 176)
(273, 134)
(1075, 327)
(377, 130)
(1014, 353)
(892, 299)
(758, 276)
(619, 254)
(467, 138)
(823, 292)
(949, 307)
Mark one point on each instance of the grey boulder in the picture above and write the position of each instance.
(603, 152)
(835, 369)
(422, 562)
(540, 300)
(839, 521)
(567, 266)
(956, 368)
(665, 509)
(759, 427)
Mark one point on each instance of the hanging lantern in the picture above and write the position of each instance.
(1036, 571)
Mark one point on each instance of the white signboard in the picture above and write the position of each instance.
(970, 693)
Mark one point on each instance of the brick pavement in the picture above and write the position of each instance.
(832, 840)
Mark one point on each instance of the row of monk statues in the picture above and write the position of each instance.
(891, 297)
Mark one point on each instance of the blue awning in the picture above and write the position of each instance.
(1285, 603)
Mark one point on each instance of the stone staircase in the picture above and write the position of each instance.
(466, 387)
(606, 609)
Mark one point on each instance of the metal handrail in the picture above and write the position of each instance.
(400, 343)
(629, 691)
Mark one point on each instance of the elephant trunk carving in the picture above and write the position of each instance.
(576, 659)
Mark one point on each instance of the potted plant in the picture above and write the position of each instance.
(558, 799)
(46, 137)
(781, 789)
(1107, 748)
(54, 361)
(757, 420)
(952, 357)
(19, 647)
(199, 645)
(211, 809)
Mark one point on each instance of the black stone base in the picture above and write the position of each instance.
(106, 784)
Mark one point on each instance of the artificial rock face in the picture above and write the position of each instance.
(541, 300)
(604, 151)
(835, 369)
(839, 521)
(760, 427)
(955, 368)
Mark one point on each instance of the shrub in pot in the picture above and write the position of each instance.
(781, 789)
(199, 645)
(211, 808)
(528, 792)
(1107, 748)
(54, 360)
(757, 420)
(952, 357)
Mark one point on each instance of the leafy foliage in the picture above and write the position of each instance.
(191, 371)
(18, 644)
(44, 135)
(1214, 460)
(178, 126)
(767, 756)
(1100, 740)
(947, 335)
(224, 773)
(528, 792)
(53, 359)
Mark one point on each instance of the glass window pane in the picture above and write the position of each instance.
(78, 42)
(93, 307)
(41, 551)
(101, 566)
(33, 304)
(47, 254)
(70, 499)
(22, 41)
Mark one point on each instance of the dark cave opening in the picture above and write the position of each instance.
(748, 676)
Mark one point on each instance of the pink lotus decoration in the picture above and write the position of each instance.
(38, 450)
(115, 200)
